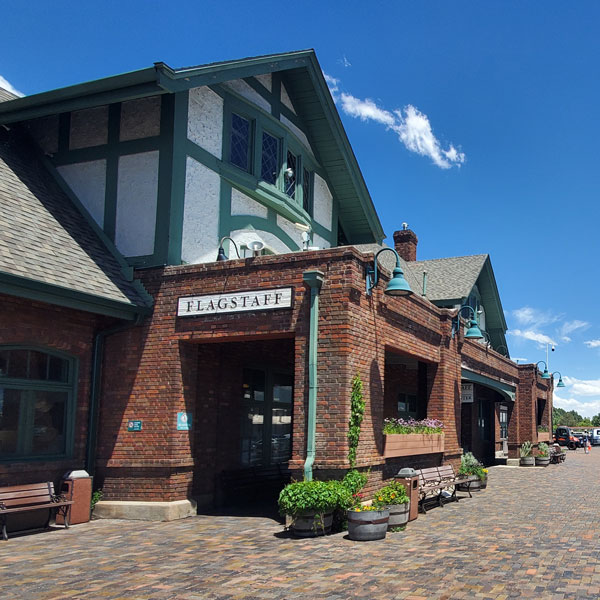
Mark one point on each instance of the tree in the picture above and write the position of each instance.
(596, 420)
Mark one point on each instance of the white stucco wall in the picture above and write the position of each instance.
(320, 242)
(243, 89)
(323, 203)
(244, 205)
(205, 120)
(266, 80)
(290, 229)
(89, 127)
(285, 99)
(140, 118)
(271, 242)
(200, 214)
(297, 132)
(137, 195)
(88, 182)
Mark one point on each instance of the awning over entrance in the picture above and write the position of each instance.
(508, 391)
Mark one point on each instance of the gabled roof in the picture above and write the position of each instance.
(450, 279)
(48, 250)
(305, 83)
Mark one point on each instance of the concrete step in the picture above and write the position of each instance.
(513, 462)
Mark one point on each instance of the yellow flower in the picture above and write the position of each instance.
(380, 498)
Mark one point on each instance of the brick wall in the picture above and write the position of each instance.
(44, 326)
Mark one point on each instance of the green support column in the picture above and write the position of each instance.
(314, 279)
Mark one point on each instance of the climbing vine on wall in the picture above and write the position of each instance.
(357, 411)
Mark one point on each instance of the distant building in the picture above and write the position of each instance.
(127, 349)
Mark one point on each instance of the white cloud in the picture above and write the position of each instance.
(9, 87)
(334, 86)
(519, 360)
(409, 123)
(534, 317)
(583, 387)
(570, 327)
(586, 408)
(592, 343)
(366, 110)
(344, 61)
(534, 336)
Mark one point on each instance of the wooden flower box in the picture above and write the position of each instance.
(410, 444)
(543, 436)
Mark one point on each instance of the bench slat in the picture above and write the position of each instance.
(26, 494)
(48, 487)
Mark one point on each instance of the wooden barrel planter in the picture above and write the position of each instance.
(542, 461)
(472, 483)
(368, 525)
(398, 515)
(528, 461)
(483, 484)
(311, 524)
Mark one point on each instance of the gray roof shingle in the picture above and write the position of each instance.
(5, 95)
(449, 278)
(44, 237)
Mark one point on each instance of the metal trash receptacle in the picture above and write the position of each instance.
(77, 486)
(410, 480)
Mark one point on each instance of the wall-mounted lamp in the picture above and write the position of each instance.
(545, 374)
(473, 332)
(560, 381)
(221, 255)
(256, 247)
(397, 286)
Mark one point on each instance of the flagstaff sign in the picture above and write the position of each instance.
(194, 306)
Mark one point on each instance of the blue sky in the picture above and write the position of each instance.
(475, 122)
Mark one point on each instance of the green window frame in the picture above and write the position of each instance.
(293, 175)
(37, 403)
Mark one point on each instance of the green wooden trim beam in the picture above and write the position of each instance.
(61, 296)
(507, 390)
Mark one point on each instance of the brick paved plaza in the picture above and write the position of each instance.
(532, 534)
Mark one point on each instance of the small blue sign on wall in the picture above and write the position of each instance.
(184, 421)
(134, 425)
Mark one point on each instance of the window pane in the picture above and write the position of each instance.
(270, 158)
(58, 369)
(10, 403)
(290, 175)
(282, 388)
(4, 363)
(38, 365)
(240, 141)
(252, 435)
(17, 364)
(49, 417)
(281, 434)
(306, 191)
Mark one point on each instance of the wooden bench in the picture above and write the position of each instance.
(556, 454)
(433, 481)
(32, 497)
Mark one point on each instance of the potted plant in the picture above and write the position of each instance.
(410, 437)
(527, 460)
(473, 472)
(310, 504)
(393, 496)
(543, 455)
(367, 522)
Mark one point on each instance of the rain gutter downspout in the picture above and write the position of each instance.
(314, 279)
(95, 383)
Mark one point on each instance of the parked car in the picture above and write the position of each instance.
(595, 436)
(565, 437)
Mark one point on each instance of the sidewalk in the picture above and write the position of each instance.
(534, 533)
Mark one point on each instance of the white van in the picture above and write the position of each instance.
(595, 436)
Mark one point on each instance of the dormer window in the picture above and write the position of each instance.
(265, 149)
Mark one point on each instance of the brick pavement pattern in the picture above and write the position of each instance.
(534, 533)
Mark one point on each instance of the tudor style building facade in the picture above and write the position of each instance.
(181, 374)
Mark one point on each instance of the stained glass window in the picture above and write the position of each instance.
(240, 141)
(270, 158)
(290, 175)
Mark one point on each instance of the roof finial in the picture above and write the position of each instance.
(405, 226)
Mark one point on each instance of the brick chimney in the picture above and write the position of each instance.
(405, 242)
